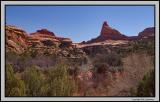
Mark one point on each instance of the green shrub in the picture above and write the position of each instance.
(73, 71)
(132, 91)
(46, 52)
(104, 62)
(59, 81)
(77, 61)
(33, 53)
(14, 86)
(142, 46)
(33, 80)
(112, 59)
(146, 86)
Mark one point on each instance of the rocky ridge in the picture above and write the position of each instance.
(17, 40)
(147, 33)
(109, 33)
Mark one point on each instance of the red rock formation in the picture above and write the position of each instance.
(44, 32)
(108, 33)
(44, 35)
(147, 33)
(16, 39)
(65, 42)
(40, 36)
(64, 39)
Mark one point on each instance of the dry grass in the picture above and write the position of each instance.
(118, 83)
(135, 67)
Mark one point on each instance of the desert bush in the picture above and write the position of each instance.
(22, 61)
(59, 81)
(33, 53)
(89, 92)
(11, 56)
(116, 68)
(112, 59)
(100, 67)
(77, 61)
(146, 87)
(151, 48)
(92, 51)
(142, 46)
(132, 91)
(13, 85)
(43, 61)
(46, 52)
(33, 81)
(106, 62)
(18, 61)
(73, 71)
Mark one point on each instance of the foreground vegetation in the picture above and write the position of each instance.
(51, 75)
(146, 86)
(34, 82)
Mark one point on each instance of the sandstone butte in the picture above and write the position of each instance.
(109, 33)
(18, 40)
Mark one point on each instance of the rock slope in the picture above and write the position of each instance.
(17, 40)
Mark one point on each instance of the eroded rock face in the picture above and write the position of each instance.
(42, 39)
(42, 35)
(45, 32)
(48, 38)
(65, 42)
(147, 33)
(16, 39)
(108, 33)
